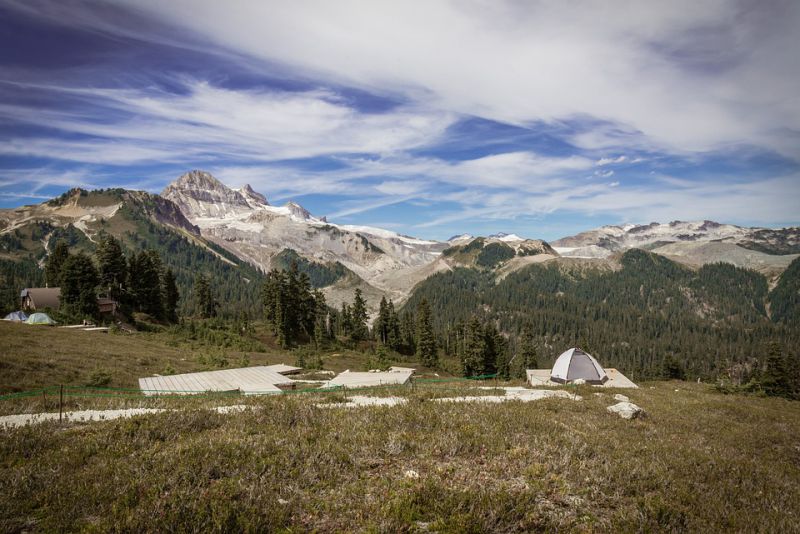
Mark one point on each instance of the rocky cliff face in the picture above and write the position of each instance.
(243, 222)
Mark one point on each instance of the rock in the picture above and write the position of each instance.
(579, 382)
(621, 398)
(410, 473)
(626, 410)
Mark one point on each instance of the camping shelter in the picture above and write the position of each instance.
(40, 318)
(38, 298)
(576, 364)
(17, 316)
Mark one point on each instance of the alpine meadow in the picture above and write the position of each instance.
(399, 267)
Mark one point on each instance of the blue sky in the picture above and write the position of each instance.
(429, 118)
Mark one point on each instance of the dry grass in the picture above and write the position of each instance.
(700, 461)
(39, 356)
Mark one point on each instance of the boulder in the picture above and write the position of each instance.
(621, 398)
(626, 410)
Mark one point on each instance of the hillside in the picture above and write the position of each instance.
(635, 317)
(139, 220)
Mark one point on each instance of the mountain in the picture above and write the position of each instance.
(694, 243)
(139, 220)
(242, 222)
(235, 235)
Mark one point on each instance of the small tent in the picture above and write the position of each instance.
(575, 364)
(39, 318)
(17, 316)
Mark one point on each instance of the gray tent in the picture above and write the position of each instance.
(575, 364)
(17, 316)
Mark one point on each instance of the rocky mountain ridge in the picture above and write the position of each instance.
(382, 262)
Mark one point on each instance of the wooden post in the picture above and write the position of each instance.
(60, 402)
(44, 400)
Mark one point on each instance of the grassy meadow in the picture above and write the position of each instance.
(39, 356)
(699, 461)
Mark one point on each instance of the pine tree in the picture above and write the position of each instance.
(145, 283)
(472, 359)
(358, 318)
(206, 305)
(112, 267)
(408, 333)
(320, 320)
(776, 379)
(527, 351)
(393, 336)
(426, 343)
(347, 320)
(170, 295)
(380, 327)
(55, 263)
(79, 281)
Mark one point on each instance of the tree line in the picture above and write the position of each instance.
(138, 282)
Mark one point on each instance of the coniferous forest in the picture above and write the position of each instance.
(652, 318)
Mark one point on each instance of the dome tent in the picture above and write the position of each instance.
(40, 318)
(17, 316)
(575, 364)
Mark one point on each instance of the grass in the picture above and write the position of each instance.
(700, 461)
(38, 356)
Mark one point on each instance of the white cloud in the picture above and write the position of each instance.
(609, 161)
(686, 75)
(207, 122)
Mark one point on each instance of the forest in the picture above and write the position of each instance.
(650, 316)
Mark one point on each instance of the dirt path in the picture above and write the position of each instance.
(510, 394)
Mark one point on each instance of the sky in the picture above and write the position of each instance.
(430, 118)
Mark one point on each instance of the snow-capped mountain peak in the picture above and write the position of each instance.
(461, 238)
(253, 198)
(507, 238)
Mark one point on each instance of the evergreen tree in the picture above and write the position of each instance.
(383, 357)
(320, 320)
(144, 283)
(380, 328)
(206, 305)
(358, 318)
(673, 369)
(777, 379)
(55, 264)
(472, 358)
(527, 350)
(347, 320)
(408, 333)
(170, 295)
(79, 281)
(112, 267)
(426, 343)
(393, 336)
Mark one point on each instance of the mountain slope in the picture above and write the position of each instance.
(242, 222)
(139, 220)
(619, 238)
(633, 316)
